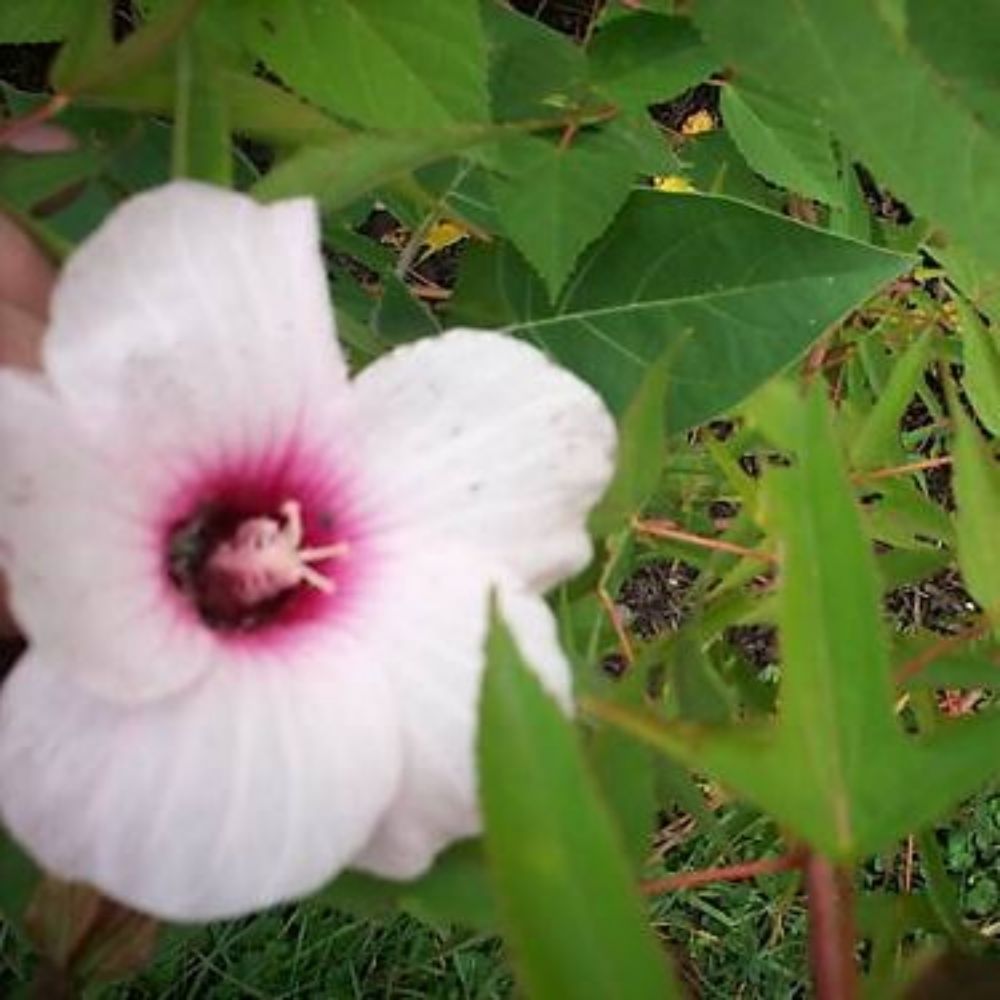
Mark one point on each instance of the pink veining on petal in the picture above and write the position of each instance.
(255, 481)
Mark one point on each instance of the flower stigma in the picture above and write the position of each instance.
(239, 571)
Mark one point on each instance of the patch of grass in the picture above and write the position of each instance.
(311, 950)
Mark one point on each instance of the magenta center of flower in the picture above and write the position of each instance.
(240, 570)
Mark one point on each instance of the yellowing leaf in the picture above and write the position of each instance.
(698, 123)
(441, 235)
(672, 184)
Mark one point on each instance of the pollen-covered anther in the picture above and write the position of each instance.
(264, 558)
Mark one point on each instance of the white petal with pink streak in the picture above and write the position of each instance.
(253, 787)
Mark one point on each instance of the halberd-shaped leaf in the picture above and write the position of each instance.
(555, 200)
(857, 782)
(642, 58)
(748, 289)
(393, 64)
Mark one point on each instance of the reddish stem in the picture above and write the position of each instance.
(729, 873)
(831, 930)
(913, 667)
(12, 129)
(656, 528)
(902, 470)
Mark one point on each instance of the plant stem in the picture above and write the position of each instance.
(729, 873)
(831, 930)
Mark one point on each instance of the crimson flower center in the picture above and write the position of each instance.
(240, 570)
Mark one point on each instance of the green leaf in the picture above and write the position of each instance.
(973, 666)
(961, 43)
(89, 42)
(750, 290)
(977, 494)
(254, 106)
(24, 21)
(981, 354)
(393, 64)
(644, 58)
(624, 770)
(348, 165)
(18, 879)
(94, 68)
(695, 687)
(533, 70)
(877, 93)
(836, 694)
(641, 437)
(715, 166)
(399, 316)
(554, 200)
(201, 145)
(782, 141)
(877, 441)
(857, 782)
(28, 180)
(455, 891)
(572, 915)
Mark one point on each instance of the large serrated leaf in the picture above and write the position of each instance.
(642, 58)
(877, 93)
(554, 200)
(393, 64)
(572, 914)
(750, 290)
(351, 163)
(782, 141)
(533, 69)
(961, 43)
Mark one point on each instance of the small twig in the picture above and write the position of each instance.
(611, 610)
(817, 355)
(615, 618)
(433, 293)
(566, 139)
(12, 129)
(668, 530)
(902, 470)
(408, 255)
(938, 649)
(728, 873)
(831, 930)
(908, 854)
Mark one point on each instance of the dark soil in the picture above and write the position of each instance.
(26, 67)
(656, 596)
(571, 17)
(672, 114)
(940, 603)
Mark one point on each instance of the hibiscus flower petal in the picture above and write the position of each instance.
(254, 787)
(87, 580)
(479, 437)
(437, 676)
(194, 317)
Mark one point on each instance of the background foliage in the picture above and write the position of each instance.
(768, 238)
